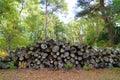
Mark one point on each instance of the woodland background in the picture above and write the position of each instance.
(22, 22)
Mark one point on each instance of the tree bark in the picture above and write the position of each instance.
(109, 29)
(101, 3)
(46, 16)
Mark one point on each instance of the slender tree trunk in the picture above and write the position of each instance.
(57, 36)
(80, 38)
(46, 16)
(9, 45)
(9, 39)
(101, 3)
(107, 24)
(110, 34)
(109, 29)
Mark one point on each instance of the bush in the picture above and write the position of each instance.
(3, 53)
(68, 65)
(11, 64)
(119, 65)
(111, 67)
(86, 67)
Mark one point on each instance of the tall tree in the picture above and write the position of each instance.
(51, 6)
(107, 10)
(12, 24)
(8, 22)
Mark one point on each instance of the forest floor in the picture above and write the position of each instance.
(45, 74)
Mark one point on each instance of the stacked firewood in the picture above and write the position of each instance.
(55, 54)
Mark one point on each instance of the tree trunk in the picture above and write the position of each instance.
(101, 3)
(110, 34)
(46, 16)
(107, 24)
(109, 29)
(9, 39)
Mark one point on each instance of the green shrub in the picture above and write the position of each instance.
(68, 65)
(119, 65)
(86, 67)
(11, 64)
(55, 68)
(3, 53)
(111, 67)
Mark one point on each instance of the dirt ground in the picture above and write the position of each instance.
(45, 74)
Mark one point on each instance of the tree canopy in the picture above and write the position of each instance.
(109, 11)
(22, 22)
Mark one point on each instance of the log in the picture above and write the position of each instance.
(26, 56)
(44, 55)
(65, 60)
(3, 65)
(58, 53)
(38, 62)
(97, 60)
(92, 61)
(62, 50)
(21, 58)
(35, 55)
(111, 60)
(66, 54)
(73, 50)
(76, 62)
(30, 52)
(59, 58)
(15, 58)
(39, 57)
(76, 58)
(44, 46)
(53, 54)
(38, 41)
(72, 55)
(79, 58)
(72, 60)
(68, 57)
(78, 66)
(36, 45)
(91, 65)
(51, 66)
(55, 49)
(48, 50)
(62, 55)
(46, 62)
(106, 59)
(55, 63)
(60, 65)
(67, 47)
(79, 53)
(31, 48)
(42, 66)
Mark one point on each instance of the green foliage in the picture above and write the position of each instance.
(111, 67)
(58, 27)
(11, 64)
(3, 53)
(102, 36)
(22, 22)
(118, 45)
(109, 14)
(86, 67)
(119, 65)
(55, 5)
(68, 65)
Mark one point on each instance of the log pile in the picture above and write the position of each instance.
(55, 54)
